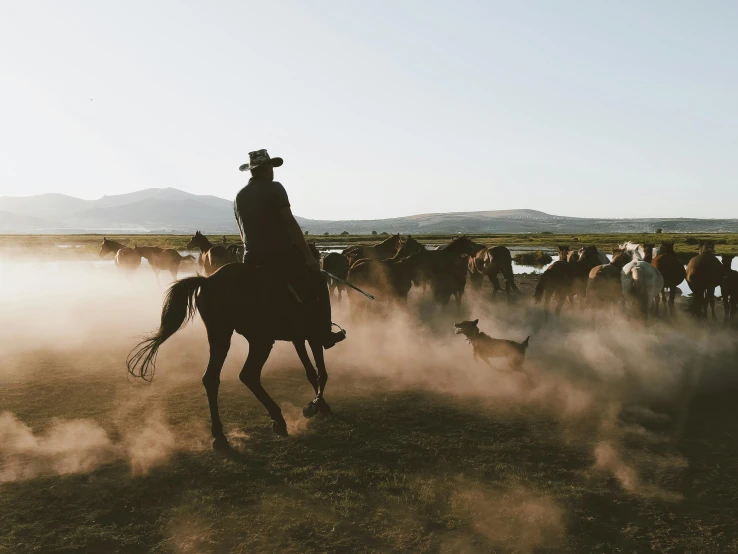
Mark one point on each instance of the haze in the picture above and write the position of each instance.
(608, 109)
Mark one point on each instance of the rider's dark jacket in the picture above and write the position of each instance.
(263, 230)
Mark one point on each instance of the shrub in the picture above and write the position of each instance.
(538, 258)
(345, 234)
(659, 231)
(691, 240)
(374, 232)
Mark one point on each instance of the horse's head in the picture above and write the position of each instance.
(588, 253)
(195, 241)
(572, 256)
(464, 245)
(563, 252)
(620, 257)
(707, 247)
(408, 247)
(107, 248)
(647, 252)
(314, 250)
(667, 247)
(727, 260)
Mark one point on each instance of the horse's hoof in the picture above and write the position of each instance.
(323, 407)
(310, 410)
(280, 427)
(221, 444)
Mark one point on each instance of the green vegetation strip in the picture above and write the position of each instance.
(726, 243)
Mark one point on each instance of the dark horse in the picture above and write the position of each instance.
(605, 284)
(338, 265)
(125, 258)
(704, 274)
(566, 279)
(163, 259)
(673, 272)
(212, 256)
(490, 262)
(246, 300)
(385, 249)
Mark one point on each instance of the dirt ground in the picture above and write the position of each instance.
(618, 437)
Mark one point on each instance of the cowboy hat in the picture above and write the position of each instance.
(259, 158)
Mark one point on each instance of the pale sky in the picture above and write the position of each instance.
(380, 109)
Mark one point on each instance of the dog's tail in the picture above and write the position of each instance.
(524, 344)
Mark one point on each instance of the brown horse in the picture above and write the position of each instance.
(704, 274)
(672, 270)
(490, 262)
(605, 284)
(384, 250)
(125, 258)
(388, 280)
(572, 256)
(212, 257)
(243, 299)
(462, 245)
(729, 288)
(163, 259)
(566, 279)
(563, 253)
(445, 271)
(338, 265)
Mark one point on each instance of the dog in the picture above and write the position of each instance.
(485, 347)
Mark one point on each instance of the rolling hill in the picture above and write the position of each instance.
(169, 210)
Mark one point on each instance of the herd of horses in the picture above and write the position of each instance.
(639, 280)
(236, 298)
(638, 275)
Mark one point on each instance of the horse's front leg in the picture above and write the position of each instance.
(312, 375)
(251, 377)
(672, 298)
(318, 404)
(220, 343)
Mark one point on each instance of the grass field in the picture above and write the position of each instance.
(621, 438)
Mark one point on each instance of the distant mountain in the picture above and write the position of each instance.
(12, 222)
(169, 210)
(47, 206)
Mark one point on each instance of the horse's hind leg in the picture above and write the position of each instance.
(220, 343)
(318, 404)
(251, 377)
(312, 375)
(495, 284)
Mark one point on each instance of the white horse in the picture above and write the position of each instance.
(642, 283)
(637, 251)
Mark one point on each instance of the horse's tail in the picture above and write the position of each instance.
(179, 307)
(540, 287)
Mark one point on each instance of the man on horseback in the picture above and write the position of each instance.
(273, 239)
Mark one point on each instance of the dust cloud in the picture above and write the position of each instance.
(605, 379)
(78, 446)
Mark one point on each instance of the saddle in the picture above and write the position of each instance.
(287, 304)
